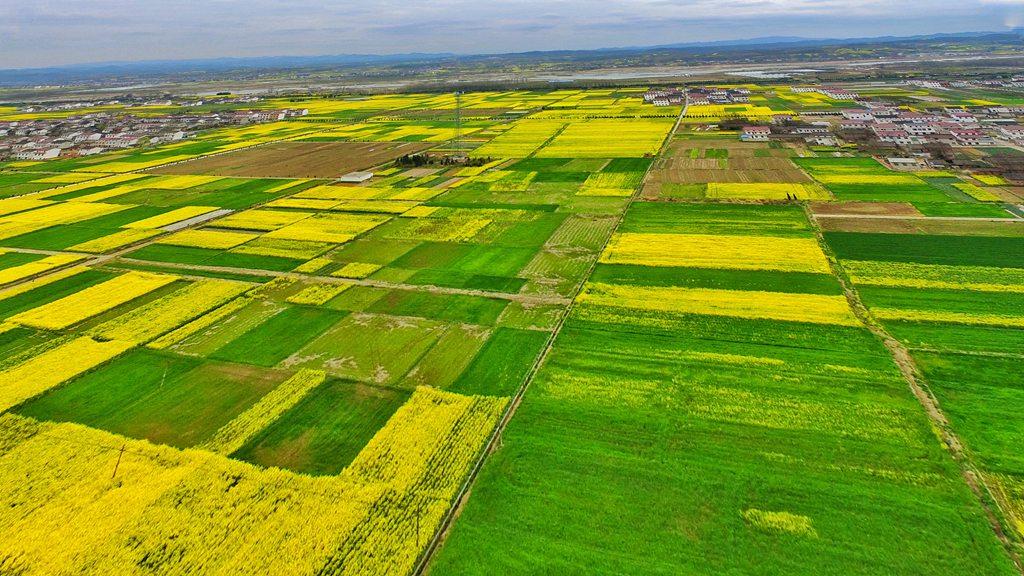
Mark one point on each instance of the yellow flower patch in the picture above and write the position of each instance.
(317, 294)
(91, 301)
(172, 217)
(813, 308)
(281, 248)
(16, 273)
(420, 211)
(213, 239)
(262, 219)
(717, 251)
(356, 270)
(171, 338)
(334, 228)
(114, 241)
(765, 191)
(165, 314)
(313, 265)
(55, 366)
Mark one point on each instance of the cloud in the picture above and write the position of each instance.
(48, 32)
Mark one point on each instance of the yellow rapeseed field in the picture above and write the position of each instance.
(197, 512)
(913, 275)
(327, 192)
(334, 228)
(314, 265)
(298, 249)
(766, 191)
(91, 301)
(813, 308)
(317, 294)
(167, 218)
(40, 266)
(262, 219)
(54, 366)
(169, 312)
(356, 270)
(881, 179)
(114, 241)
(213, 239)
(43, 281)
(195, 326)
(948, 317)
(65, 213)
(12, 205)
(717, 251)
(93, 183)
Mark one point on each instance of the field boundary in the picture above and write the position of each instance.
(494, 440)
(912, 375)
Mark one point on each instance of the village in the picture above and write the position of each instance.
(119, 124)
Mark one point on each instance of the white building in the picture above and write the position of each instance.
(37, 154)
(356, 177)
(756, 134)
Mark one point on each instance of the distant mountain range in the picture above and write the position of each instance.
(93, 72)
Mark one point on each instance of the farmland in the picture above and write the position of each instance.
(296, 160)
(608, 342)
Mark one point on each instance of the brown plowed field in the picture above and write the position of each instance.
(866, 208)
(297, 159)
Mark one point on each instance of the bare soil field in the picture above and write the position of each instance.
(1008, 228)
(736, 148)
(297, 159)
(704, 170)
(1012, 194)
(866, 208)
(725, 161)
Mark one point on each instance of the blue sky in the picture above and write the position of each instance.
(44, 33)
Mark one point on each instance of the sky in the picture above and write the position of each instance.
(39, 33)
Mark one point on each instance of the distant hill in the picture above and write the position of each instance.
(154, 69)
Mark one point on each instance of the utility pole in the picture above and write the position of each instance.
(119, 454)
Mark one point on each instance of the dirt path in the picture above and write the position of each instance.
(919, 387)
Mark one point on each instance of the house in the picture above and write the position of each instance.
(1015, 132)
(36, 154)
(906, 163)
(756, 134)
(859, 115)
(972, 137)
(821, 141)
(919, 129)
(962, 117)
(838, 94)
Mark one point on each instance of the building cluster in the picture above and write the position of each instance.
(98, 132)
(784, 127)
(955, 127)
(701, 96)
(1014, 82)
(832, 92)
